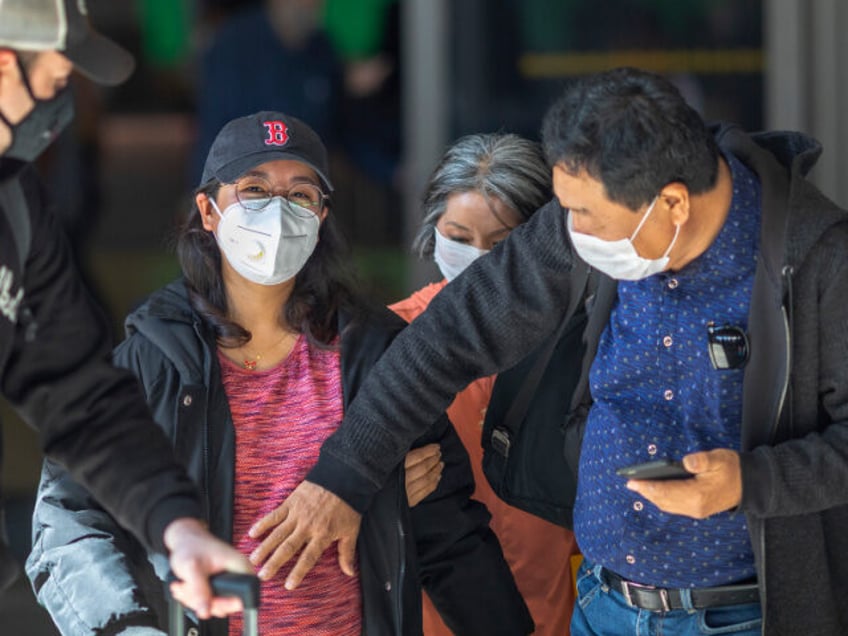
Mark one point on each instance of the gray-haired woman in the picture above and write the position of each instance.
(484, 187)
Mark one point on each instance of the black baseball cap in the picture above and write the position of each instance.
(246, 142)
(64, 26)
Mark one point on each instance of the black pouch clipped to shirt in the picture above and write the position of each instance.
(532, 433)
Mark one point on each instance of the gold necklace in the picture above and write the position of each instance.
(250, 361)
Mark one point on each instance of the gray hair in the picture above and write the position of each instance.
(501, 166)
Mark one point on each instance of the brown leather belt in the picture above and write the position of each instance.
(658, 599)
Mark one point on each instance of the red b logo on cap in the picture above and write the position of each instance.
(278, 133)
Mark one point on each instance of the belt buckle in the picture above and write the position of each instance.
(663, 593)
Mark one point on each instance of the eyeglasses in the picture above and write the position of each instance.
(728, 346)
(254, 193)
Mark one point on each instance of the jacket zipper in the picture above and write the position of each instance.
(401, 573)
(202, 629)
(785, 388)
(207, 476)
(788, 327)
(786, 313)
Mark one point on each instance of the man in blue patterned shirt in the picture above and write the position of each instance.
(717, 335)
(653, 203)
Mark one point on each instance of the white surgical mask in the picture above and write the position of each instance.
(453, 257)
(270, 245)
(619, 259)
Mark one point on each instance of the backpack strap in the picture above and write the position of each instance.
(514, 418)
(13, 202)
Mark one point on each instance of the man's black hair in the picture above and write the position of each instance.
(632, 131)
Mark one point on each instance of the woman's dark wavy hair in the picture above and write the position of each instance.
(325, 286)
(632, 131)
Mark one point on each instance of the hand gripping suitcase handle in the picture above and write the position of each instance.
(242, 586)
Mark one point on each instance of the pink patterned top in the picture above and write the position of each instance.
(281, 418)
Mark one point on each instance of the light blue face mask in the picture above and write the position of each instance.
(453, 257)
(619, 259)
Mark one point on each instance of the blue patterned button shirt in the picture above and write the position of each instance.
(656, 395)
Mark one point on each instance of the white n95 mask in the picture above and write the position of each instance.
(270, 245)
(453, 257)
(619, 259)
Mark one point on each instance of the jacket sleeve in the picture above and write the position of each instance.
(806, 471)
(91, 418)
(460, 560)
(486, 320)
(90, 574)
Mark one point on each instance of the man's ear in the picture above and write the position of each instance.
(8, 61)
(675, 197)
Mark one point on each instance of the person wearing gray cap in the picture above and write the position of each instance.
(54, 358)
(249, 362)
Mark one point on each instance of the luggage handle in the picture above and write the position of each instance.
(227, 584)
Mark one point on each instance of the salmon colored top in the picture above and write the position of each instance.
(538, 552)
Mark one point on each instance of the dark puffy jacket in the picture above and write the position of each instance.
(94, 579)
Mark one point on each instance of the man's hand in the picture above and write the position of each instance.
(716, 487)
(195, 555)
(311, 518)
(424, 467)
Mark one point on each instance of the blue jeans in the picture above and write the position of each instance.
(600, 611)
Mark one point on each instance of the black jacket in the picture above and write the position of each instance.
(54, 370)
(445, 540)
(795, 394)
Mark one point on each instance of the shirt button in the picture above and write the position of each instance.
(638, 505)
(672, 283)
(668, 394)
(652, 449)
(187, 400)
(630, 559)
(667, 341)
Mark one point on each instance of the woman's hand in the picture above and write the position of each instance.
(423, 471)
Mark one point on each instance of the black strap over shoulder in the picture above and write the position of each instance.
(529, 453)
(515, 416)
(13, 202)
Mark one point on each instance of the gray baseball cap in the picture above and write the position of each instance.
(246, 142)
(64, 26)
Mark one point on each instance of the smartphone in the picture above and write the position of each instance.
(658, 469)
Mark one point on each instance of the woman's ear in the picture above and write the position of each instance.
(208, 214)
(325, 210)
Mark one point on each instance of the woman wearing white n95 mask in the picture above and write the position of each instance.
(267, 237)
(484, 187)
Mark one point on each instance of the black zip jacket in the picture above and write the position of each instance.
(794, 442)
(54, 370)
(444, 542)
